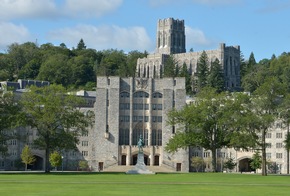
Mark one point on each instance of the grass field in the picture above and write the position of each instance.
(212, 184)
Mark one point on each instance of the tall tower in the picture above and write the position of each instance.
(170, 36)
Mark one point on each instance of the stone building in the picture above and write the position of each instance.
(171, 41)
(129, 107)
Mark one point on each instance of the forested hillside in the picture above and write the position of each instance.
(77, 68)
(73, 68)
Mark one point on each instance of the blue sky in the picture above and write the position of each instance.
(259, 26)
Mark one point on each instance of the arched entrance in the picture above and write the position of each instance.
(244, 165)
(37, 165)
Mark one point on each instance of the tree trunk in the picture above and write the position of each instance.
(264, 161)
(47, 168)
(213, 161)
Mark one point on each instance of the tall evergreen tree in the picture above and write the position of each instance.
(215, 77)
(202, 71)
(170, 67)
(184, 73)
(81, 45)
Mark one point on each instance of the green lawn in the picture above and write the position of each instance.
(212, 184)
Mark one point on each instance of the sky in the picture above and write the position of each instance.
(258, 26)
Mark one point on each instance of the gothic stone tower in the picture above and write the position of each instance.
(170, 36)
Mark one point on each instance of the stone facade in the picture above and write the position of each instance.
(171, 41)
(129, 107)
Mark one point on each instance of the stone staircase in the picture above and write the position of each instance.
(124, 168)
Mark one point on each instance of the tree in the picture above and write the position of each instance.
(184, 73)
(55, 116)
(27, 156)
(10, 117)
(229, 164)
(170, 67)
(81, 45)
(201, 124)
(197, 163)
(55, 159)
(265, 104)
(256, 161)
(215, 78)
(56, 70)
(252, 62)
(83, 165)
(202, 71)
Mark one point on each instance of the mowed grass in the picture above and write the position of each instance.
(212, 184)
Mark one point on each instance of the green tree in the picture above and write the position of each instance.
(55, 116)
(197, 163)
(201, 124)
(10, 117)
(131, 62)
(202, 71)
(81, 45)
(215, 78)
(265, 104)
(55, 159)
(256, 161)
(229, 164)
(184, 73)
(170, 67)
(27, 156)
(56, 70)
(251, 62)
(83, 165)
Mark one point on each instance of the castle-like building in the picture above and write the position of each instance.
(126, 108)
(171, 41)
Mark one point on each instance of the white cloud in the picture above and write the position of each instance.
(87, 8)
(15, 9)
(104, 37)
(11, 33)
(11, 9)
(195, 38)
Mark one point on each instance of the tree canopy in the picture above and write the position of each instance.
(55, 116)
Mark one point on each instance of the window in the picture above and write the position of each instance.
(159, 106)
(268, 155)
(159, 118)
(136, 136)
(173, 129)
(268, 145)
(279, 156)
(146, 118)
(279, 145)
(206, 154)
(85, 134)
(124, 137)
(157, 95)
(85, 153)
(85, 143)
(268, 135)
(279, 135)
(156, 137)
(124, 95)
(140, 118)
